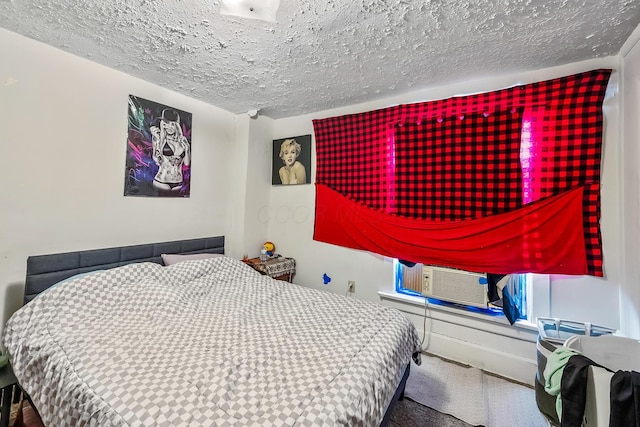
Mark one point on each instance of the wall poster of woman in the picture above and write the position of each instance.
(291, 161)
(158, 150)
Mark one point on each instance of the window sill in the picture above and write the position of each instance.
(419, 303)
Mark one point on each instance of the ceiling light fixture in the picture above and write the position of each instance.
(264, 10)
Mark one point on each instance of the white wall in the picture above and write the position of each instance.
(579, 298)
(587, 298)
(64, 129)
(250, 184)
(258, 185)
(630, 93)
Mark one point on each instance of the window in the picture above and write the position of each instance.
(409, 281)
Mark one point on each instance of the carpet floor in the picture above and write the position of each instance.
(472, 396)
(408, 413)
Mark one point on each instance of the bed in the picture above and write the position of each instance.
(127, 341)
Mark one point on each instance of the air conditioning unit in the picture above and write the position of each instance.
(459, 286)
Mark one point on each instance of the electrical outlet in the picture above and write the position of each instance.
(351, 286)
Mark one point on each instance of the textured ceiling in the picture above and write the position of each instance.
(322, 54)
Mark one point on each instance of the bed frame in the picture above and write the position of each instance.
(43, 271)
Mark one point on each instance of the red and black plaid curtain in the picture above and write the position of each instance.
(500, 182)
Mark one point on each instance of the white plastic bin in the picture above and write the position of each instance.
(613, 352)
(553, 333)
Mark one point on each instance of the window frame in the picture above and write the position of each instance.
(524, 298)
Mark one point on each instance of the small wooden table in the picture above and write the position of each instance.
(279, 268)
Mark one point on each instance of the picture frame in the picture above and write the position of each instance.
(158, 159)
(291, 161)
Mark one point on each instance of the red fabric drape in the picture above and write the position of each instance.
(497, 243)
(468, 158)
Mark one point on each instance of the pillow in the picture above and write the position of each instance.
(170, 259)
(68, 279)
(76, 276)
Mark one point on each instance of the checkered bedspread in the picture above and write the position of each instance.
(204, 343)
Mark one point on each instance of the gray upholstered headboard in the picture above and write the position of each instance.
(46, 270)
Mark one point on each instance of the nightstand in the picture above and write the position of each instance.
(9, 391)
(279, 268)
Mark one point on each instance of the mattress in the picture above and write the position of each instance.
(206, 342)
